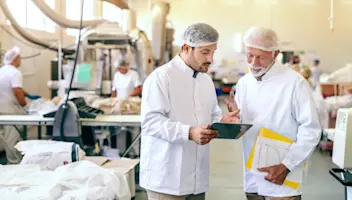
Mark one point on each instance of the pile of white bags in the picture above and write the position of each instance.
(56, 170)
(49, 154)
(82, 180)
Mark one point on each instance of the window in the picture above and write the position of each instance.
(73, 11)
(18, 10)
(28, 15)
(37, 20)
(112, 12)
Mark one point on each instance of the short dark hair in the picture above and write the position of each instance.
(316, 61)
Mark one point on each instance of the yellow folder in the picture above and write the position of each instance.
(266, 133)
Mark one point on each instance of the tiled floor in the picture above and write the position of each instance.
(226, 177)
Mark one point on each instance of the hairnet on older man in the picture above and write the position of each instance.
(261, 38)
(200, 34)
(11, 54)
(121, 62)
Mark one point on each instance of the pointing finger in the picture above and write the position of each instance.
(232, 95)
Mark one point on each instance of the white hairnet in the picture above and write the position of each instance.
(11, 54)
(200, 34)
(261, 38)
(121, 61)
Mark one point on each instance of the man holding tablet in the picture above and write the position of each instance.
(178, 105)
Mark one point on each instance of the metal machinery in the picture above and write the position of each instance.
(162, 36)
(101, 42)
(342, 149)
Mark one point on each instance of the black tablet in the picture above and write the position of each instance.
(230, 130)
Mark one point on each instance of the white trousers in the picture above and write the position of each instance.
(9, 137)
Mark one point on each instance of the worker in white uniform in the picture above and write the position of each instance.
(178, 105)
(279, 99)
(126, 81)
(12, 101)
(126, 84)
(316, 72)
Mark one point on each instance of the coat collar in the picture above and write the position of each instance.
(179, 63)
(273, 71)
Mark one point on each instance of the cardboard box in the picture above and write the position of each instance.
(120, 166)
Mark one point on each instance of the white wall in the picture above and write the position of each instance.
(301, 23)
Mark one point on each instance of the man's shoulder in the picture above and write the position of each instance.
(164, 69)
(290, 74)
(245, 79)
(133, 72)
(10, 71)
(160, 73)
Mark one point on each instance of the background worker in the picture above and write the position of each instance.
(12, 101)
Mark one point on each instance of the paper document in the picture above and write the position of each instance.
(270, 149)
(230, 130)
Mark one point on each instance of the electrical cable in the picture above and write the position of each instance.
(65, 105)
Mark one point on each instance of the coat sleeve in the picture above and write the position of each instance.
(309, 130)
(155, 108)
(216, 115)
(238, 94)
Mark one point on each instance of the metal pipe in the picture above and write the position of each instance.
(25, 34)
(62, 21)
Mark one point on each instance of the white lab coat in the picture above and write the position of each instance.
(316, 72)
(173, 101)
(10, 77)
(281, 102)
(124, 84)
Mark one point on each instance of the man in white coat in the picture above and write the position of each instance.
(178, 105)
(279, 99)
(12, 101)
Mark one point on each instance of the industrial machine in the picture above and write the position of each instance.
(162, 36)
(87, 68)
(342, 149)
(101, 43)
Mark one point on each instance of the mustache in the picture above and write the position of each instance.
(207, 63)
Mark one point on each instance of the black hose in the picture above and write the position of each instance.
(65, 107)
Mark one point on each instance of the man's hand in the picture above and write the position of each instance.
(231, 103)
(231, 117)
(276, 174)
(202, 134)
